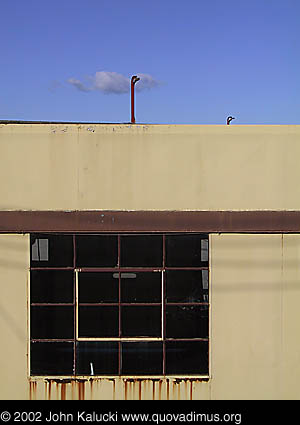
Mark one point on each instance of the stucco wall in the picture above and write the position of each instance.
(149, 167)
(14, 266)
(254, 326)
(246, 300)
(255, 297)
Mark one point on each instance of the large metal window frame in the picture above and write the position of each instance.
(119, 304)
(121, 339)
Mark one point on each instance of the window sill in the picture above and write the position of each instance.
(69, 379)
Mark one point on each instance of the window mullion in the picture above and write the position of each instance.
(163, 318)
(120, 318)
(163, 305)
(76, 303)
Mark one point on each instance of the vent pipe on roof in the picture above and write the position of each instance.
(134, 80)
(229, 119)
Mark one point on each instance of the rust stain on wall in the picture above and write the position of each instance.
(125, 389)
(32, 390)
(63, 392)
(81, 389)
(176, 387)
(186, 390)
(45, 392)
(73, 388)
(91, 387)
(57, 393)
(114, 389)
(159, 390)
(133, 388)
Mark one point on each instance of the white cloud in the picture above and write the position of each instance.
(146, 82)
(113, 83)
(78, 84)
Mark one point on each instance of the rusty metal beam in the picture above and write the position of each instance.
(150, 221)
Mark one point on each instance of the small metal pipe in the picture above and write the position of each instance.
(134, 80)
(229, 119)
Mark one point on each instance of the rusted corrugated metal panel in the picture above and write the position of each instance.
(150, 221)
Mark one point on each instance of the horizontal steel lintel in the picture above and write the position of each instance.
(150, 221)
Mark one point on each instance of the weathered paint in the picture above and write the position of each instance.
(91, 389)
(254, 279)
(255, 301)
(114, 389)
(81, 390)
(32, 390)
(183, 167)
(150, 221)
(14, 265)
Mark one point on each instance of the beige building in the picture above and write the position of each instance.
(149, 261)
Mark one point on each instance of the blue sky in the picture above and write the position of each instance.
(202, 60)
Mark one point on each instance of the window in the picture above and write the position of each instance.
(119, 304)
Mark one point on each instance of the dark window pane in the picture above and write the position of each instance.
(51, 358)
(51, 250)
(142, 358)
(186, 251)
(51, 286)
(187, 358)
(40, 249)
(141, 287)
(204, 250)
(96, 251)
(97, 358)
(98, 287)
(187, 321)
(98, 322)
(55, 322)
(141, 251)
(186, 286)
(138, 321)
